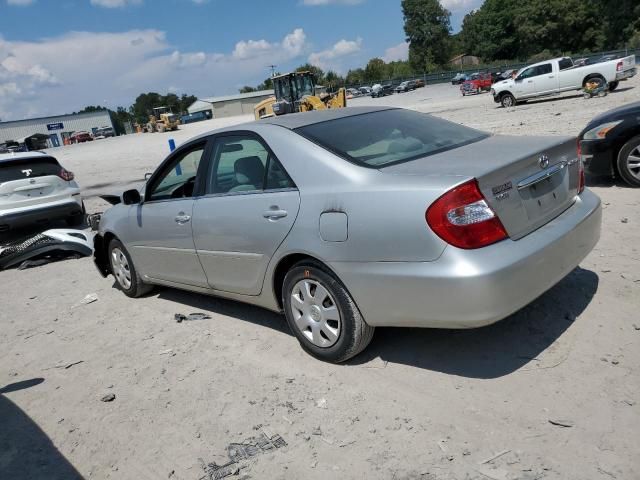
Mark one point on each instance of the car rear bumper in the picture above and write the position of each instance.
(16, 218)
(473, 288)
(626, 74)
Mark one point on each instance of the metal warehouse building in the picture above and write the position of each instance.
(48, 132)
(230, 105)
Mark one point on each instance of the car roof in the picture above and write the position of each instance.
(5, 157)
(303, 119)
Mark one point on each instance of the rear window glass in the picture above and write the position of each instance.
(27, 168)
(379, 139)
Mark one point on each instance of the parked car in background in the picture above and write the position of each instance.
(104, 132)
(458, 79)
(353, 92)
(419, 83)
(80, 137)
(610, 144)
(559, 75)
(365, 90)
(476, 83)
(322, 204)
(406, 86)
(35, 189)
(381, 90)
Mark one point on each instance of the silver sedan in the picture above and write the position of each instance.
(355, 218)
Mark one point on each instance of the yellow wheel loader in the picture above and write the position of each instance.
(296, 92)
(162, 120)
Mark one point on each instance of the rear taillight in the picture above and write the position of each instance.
(581, 181)
(619, 66)
(462, 218)
(65, 174)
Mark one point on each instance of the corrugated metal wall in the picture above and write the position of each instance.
(232, 108)
(70, 123)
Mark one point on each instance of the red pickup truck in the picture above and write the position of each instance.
(476, 83)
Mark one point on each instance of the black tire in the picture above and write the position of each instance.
(622, 165)
(594, 78)
(354, 334)
(507, 100)
(613, 86)
(137, 287)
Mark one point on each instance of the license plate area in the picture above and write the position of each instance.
(546, 194)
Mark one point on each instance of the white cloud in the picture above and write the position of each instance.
(35, 80)
(331, 58)
(20, 3)
(292, 45)
(397, 52)
(115, 3)
(463, 6)
(314, 3)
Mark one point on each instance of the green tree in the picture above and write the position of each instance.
(376, 70)
(427, 27)
(247, 89)
(355, 77)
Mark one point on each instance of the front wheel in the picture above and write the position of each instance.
(322, 314)
(127, 278)
(629, 162)
(507, 100)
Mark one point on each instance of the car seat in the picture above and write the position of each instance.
(249, 173)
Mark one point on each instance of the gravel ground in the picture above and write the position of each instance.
(551, 392)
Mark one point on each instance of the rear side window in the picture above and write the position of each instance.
(28, 168)
(379, 139)
(565, 63)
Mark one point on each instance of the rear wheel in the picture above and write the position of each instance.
(507, 100)
(322, 315)
(125, 273)
(613, 86)
(628, 164)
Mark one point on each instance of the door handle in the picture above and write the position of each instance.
(181, 218)
(529, 81)
(275, 214)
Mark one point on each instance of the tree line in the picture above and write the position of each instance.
(500, 31)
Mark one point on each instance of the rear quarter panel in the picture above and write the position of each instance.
(385, 213)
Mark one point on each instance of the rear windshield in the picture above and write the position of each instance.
(379, 139)
(28, 168)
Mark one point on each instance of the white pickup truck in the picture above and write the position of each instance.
(553, 77)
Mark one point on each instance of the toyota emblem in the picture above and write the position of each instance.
(543, 161)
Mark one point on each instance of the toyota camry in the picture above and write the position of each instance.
(350, 219)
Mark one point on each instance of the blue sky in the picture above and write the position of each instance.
(58, 56)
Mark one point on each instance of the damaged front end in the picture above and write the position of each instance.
(46, 247)
(100, 257)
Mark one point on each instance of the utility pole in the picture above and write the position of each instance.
(273, 70)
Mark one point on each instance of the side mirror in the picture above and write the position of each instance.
(131, 197)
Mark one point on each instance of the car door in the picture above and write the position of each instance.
(161, 241)
(249, 208)
(524, 83)
(546, 80)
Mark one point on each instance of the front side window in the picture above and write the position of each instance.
(178, 179)
(244, 164)
(386, 137)
(544, 69)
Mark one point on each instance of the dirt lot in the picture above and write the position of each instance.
(417, 404)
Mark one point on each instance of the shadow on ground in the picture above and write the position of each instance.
(195, 302)
(488, 352)
(26, 452)
(493, 351)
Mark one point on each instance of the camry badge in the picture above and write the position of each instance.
(543, 161)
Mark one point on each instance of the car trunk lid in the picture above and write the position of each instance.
(26, 182)
(528, 181)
